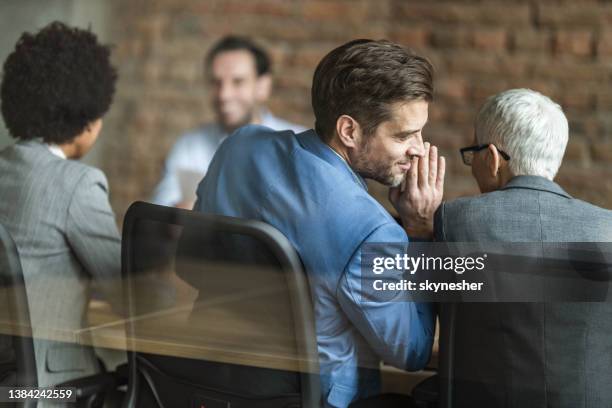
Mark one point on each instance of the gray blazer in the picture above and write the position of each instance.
(58, 213)
(528, 354)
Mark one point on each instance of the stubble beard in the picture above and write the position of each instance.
(370, 168)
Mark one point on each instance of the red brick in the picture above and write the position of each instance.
(450, 38)
(355, 11)
(570, 71)
(303, 31)
(468, 14)
(152, 27)
(604, 99)
(292, 102)
(197, 8)
(183, 25)
(437, 112)
(532, 40)
(151, 71)
(602, 152)
(258, 7)
(483, 89)
(604, 44)
(300, 77)
(579, 99)
(479, 48)
(414, 37)
(513, 68)
(446, 137)
(181, 48)
(130, 48)
(438, 59)
(591, 128)
(575, 42)
(584, 125)
(310, 56)
(500, 67)
(185, 72)
(279, 54)
(434, 12)
(490, 39)
(548, 88)
(605, 123)
(452, 88)
(593, 184)
(569, 15)
(577, 151)
(606, 15)
(462, 116)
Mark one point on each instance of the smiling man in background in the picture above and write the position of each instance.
(240, 80)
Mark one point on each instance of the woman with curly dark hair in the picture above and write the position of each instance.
(56, 86)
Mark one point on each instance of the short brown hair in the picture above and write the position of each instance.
(362, 78)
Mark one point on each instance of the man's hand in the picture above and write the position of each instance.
(420, 194)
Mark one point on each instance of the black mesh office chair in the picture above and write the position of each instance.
(219, 313)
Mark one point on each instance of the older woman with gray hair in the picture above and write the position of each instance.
(524, 354)
(519, 132)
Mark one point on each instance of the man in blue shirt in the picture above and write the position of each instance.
(370, 100)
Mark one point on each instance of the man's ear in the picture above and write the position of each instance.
(348, 131)
(493, 160)
(263, 88)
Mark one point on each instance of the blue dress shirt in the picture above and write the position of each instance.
(296, 183)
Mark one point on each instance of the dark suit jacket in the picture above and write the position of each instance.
(528, 354)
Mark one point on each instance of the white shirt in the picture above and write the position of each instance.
(190, 156)
(56, 150)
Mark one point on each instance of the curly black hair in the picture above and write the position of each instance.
(55, 83)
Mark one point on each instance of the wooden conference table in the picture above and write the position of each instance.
(225, 337)
(216, 329)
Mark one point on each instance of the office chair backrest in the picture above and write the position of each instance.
(16, 346)
(219, 312)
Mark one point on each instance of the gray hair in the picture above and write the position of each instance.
(527, 125)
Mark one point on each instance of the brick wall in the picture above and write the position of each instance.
(560, 48)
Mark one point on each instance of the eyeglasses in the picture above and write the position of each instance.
(467, 153)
